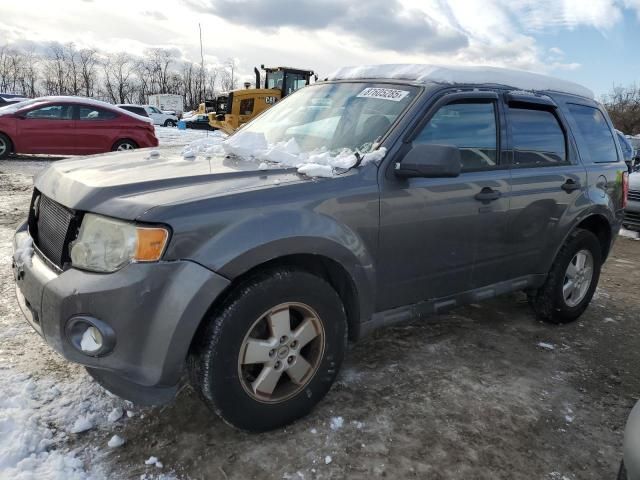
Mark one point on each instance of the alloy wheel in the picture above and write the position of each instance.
(281, 352)
(577, 278)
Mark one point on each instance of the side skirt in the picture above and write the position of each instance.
(441, 305)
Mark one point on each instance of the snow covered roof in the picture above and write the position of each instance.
(457, 74)
(93, 102)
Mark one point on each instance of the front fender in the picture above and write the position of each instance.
(256, 240)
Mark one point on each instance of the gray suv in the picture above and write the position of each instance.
(379, 195)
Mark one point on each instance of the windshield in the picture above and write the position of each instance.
(14, 107)
(331, 117)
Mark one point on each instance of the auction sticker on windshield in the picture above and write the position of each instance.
(383, 93)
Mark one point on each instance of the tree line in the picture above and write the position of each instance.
(112, 77)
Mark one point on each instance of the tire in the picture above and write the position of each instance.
(122, 145)
(622, 473)
(549, 302)
(169, 123)
(216, 362)
(6, 147)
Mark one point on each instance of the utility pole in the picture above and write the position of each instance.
(202, 89)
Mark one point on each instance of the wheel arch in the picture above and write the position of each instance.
(124, 139)
(596, 222)
(600, 226)
(332, 271)
(12, 144)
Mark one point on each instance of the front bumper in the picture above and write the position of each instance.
(153, 308)
(632, 215)
(632, 444)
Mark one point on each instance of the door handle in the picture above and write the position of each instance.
(487, 194)
(570, 185)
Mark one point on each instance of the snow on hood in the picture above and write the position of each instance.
(458, 74)
(254, 146)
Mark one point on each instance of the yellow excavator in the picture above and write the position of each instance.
(244, 104)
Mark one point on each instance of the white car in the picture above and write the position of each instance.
(159, 117)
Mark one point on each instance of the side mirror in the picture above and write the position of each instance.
(432, 161)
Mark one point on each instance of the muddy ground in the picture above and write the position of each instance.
(468, 395)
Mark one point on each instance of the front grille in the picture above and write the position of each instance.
(634, 195)
(632, 217)
(52, 226)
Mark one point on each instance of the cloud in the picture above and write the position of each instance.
(541, 15)
(155, 14)
(382, 24)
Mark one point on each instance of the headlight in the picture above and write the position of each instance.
(105, 244)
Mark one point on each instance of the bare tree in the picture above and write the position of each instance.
(623, 105)
(118, 81)
(88, 63)
(228, 80)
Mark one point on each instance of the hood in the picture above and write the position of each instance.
(127, 184)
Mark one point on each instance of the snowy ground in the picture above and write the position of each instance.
(485, 392)
(172, 137)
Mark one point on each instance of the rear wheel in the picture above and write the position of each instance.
(271, 351)
(122, 145)
(5, 146)
(572, 280)
(170, 123)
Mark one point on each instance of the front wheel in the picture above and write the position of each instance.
(572, 280)
(271, 351)
(170, 123)
(124, 145)
(5, 146)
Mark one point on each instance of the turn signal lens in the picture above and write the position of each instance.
(150, 244)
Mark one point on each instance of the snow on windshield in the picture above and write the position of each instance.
(322, 130)
(254, 146)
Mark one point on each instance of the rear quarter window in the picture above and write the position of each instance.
(598, 144)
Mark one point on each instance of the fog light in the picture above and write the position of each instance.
(91, 340)
(90, 336)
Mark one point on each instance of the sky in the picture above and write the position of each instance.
(592, 42)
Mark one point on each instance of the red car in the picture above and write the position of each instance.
(71, 126)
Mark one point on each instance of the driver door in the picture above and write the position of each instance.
(445, 236)
(49, 129)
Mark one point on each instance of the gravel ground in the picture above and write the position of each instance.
(485, 392)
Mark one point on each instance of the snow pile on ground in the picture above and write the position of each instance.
(317, 163)
(37, 418)
(336, 423)
(629, 234)
(462, 74)
(173, 137)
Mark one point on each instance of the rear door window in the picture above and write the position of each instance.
(537, 137)
(470, 126)
(95, 114)
(596, 135)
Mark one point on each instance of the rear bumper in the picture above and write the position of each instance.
(153, 310)
(632, 444)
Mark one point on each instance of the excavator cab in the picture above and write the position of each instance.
(286, 79)
(244, 104)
